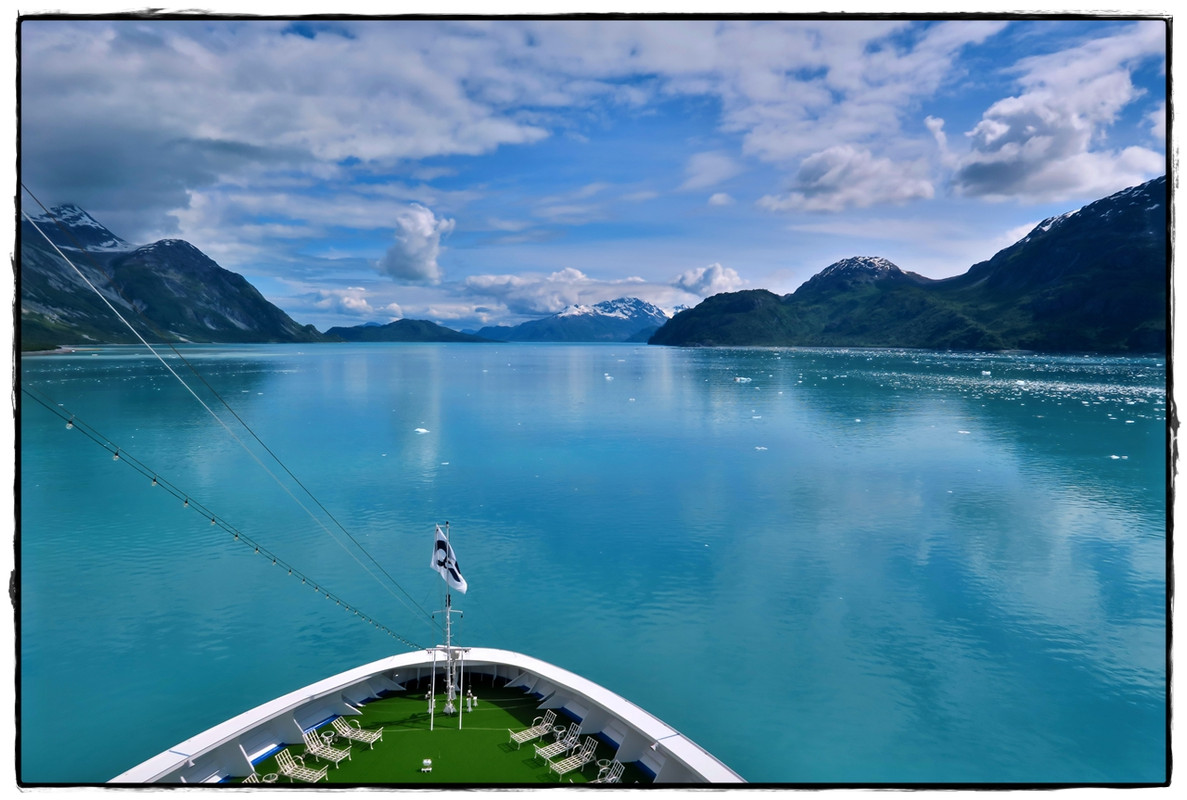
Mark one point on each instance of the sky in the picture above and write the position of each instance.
(492, 171)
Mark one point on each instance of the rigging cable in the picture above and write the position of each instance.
(121, 455)
(407, 599)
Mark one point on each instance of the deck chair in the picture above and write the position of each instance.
(576, 761)
(540, 726)
(252, 778)
(612, 773)
(286, 763)
(324, 752)
(561, 745)
(356, 734)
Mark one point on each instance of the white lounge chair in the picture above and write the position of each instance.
(356, 734)
(540, 726)
(561, 745)
(576, 761)
(252, 778)
(314, 745)
(286, 763)
(611, 773)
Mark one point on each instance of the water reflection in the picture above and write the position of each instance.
(937, 573)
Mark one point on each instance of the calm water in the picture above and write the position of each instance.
(856, 566)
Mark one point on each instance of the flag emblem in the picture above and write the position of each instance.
(445, 562)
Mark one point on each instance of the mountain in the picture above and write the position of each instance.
(402, 330)
(1093, 280)
(622, 320)
(168, 290)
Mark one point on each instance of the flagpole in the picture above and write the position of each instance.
(444, 561)
(433, 690)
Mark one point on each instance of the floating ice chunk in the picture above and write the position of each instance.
(422, 430)
(741, 380)
(964, 432)
(608, 376)
(759, 447)
(986, 372)
(857, 420)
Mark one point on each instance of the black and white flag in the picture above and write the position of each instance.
(445, 562)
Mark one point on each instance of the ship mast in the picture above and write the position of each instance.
(445, 562)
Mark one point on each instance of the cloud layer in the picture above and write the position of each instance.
(577, 160)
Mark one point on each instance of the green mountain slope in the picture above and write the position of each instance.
(1092, 280)
(402, 330)
(169, 291)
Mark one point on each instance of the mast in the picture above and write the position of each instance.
(445, 562)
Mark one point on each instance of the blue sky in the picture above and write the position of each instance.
(492, 171)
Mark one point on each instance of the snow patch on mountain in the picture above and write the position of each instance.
(622, 308)
(83, 230)
(875, 266)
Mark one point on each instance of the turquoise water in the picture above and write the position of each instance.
(856, 566)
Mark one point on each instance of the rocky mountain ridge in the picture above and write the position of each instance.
(1093, 279)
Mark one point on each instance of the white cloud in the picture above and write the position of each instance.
(709, 169)
(936, 126)
(418, 243)
(352, 301)
(1157, 121)
(829, 84)
(844, 177)
(1047, 143)
(710, 280)
(720, 199)
(532, 294)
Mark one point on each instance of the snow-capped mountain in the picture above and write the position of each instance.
(169, 290)
(621, 320)
(1092, 280)
(82, 231)
(849, 273)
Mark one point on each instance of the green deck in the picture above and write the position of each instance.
(478, 754)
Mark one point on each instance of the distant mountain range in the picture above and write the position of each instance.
(402, 330)
(627, 319)
(169, 290)
(1093, 280)
(1090, 280)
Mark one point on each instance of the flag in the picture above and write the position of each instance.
(445, 562)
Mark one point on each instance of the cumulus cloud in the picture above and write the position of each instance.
(720, 199)
(413, 257)
(710, 280)
(844, 177)
(1046, 143)
(352, 301)
(536, 295)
